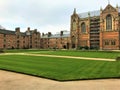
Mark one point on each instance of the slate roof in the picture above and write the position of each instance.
(23, 34)
(3, 31)
(92, 13)
(9, 32)
(57, 35)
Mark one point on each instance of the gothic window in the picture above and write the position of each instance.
(106, 42)
(113, 42)
(109, 22)
(83, 27)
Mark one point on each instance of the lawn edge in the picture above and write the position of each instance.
(18, 72)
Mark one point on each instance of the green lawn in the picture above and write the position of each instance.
(61, 69)
(94, 54)
(23, 50)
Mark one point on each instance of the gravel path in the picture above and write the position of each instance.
(15, 81)
(85, 58)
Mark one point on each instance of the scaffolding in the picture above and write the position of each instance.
(95, 32)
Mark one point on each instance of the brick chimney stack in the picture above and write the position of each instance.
(17, 29)
(28, 29)
(49, 34)
(61, 33)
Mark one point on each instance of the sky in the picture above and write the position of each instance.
(45, 15)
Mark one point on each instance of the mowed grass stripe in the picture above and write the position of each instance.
(92, 54)
(59, 68)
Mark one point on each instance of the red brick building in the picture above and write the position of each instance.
(32, 39)
(18, 40)
(59, 41)
(96, 29)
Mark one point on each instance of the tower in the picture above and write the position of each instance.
(74, 29)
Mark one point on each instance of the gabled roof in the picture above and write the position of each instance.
(93, 13)
(109, 7)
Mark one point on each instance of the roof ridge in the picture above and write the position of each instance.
(4, 31)
(89, 11)
(92, 13)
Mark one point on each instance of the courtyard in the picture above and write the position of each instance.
(62, 65)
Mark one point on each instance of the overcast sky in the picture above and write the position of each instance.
(45, 15)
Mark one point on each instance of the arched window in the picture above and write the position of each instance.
(83, 27)
(109, 22)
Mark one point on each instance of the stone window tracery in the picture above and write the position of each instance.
(83, 27)
(108, 22)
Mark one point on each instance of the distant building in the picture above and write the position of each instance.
(96, 29)
(18, 40)
(32, 39)
(59, 40)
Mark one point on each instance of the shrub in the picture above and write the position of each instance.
(83, 48)
(86, 47)
(94, 48)
(1, 51)
(118, 59)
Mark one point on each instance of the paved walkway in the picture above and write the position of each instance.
(87, 58)
(15, 81)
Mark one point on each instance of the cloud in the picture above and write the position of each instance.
(45, 15)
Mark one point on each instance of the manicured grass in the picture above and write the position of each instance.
(23, 50)
(77, 53)
(95, 54)
(61, 69)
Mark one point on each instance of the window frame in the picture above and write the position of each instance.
(83, 27)
(109, 22)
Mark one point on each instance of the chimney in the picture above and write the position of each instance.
(49, 34)
(43, 34)
(61, 33)
(17, 29)
(28, 29)
(35, 30)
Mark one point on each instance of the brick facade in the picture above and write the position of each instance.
(102, 29)
(18, 40)
(59, 41)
